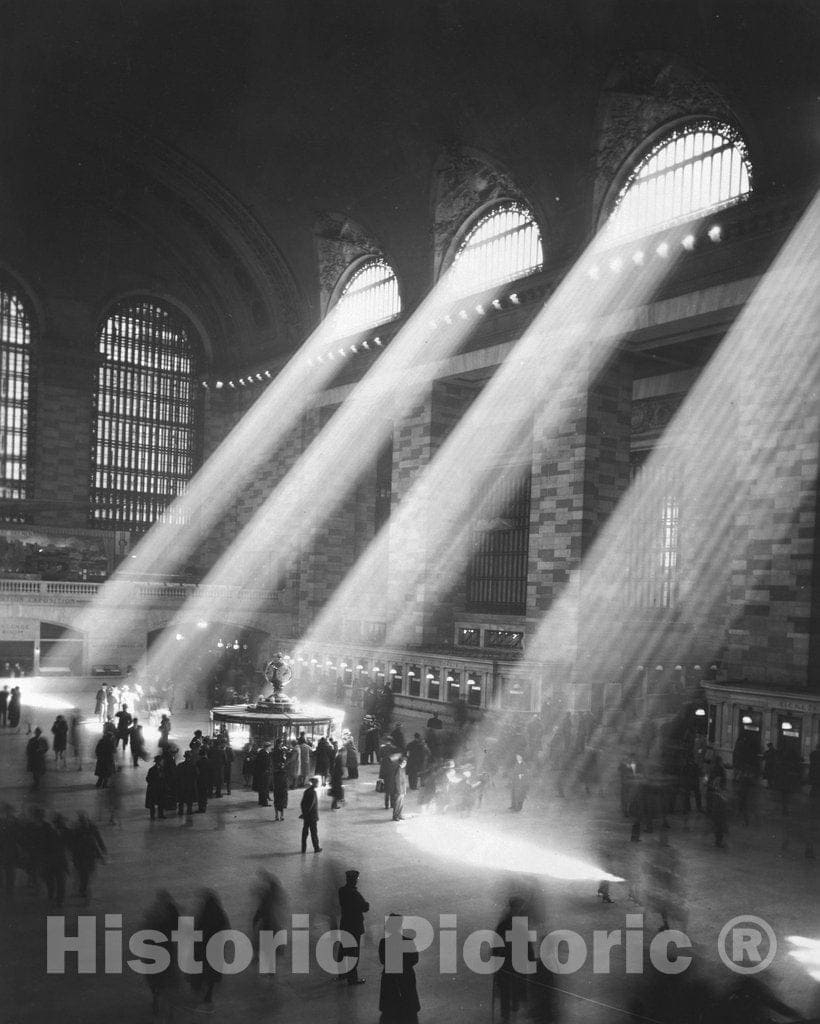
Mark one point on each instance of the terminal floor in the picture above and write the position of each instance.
(225, 848)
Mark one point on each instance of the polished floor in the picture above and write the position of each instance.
(426, 866)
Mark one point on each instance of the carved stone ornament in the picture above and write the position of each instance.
(644, 92)
(464, 184)
(340, 242)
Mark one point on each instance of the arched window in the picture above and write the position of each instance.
(502, 245)
(693, 169)
(143, 451)
(370, 297)
(15, 366)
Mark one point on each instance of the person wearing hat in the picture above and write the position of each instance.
(353, 908)
(156, 788)
(310, 816)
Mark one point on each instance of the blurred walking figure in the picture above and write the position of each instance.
(104, 753)
(508, 984)
(136, 743)
(9, 847)
(75, 739)
(163, 916)
(100, 705)
(209, 919)
(271, 911)
(353, 908)
(87, 847)
(398, 993)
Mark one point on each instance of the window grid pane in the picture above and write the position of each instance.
(654, 570)
(143, 451)
(369, 298)
(497, 574)
(504, 245)
(695, 169)
(15, 365)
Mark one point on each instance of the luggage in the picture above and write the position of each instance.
(379, 785)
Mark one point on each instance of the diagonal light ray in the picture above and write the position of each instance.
(240, 457)
(330, 467)
(562, 350)
(731, 486)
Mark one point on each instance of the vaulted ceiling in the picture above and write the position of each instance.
(190, 147)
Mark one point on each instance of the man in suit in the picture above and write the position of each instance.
(310, 816)
(353, 906)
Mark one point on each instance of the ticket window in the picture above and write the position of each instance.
(433, 684)
(453, 681)
(750, 721)
(790, 731)
(474, 689)
(396, 677)
(414, 681)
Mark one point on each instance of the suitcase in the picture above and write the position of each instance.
(379, 785)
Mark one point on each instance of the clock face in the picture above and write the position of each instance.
(278, 671)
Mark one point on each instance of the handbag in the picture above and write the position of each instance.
(379, 785)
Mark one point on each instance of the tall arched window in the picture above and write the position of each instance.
(697, 167)
(370, 297)
(15, 367)
(502, 245)
(143, 451)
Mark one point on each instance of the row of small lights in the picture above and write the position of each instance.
(378, 672)
(688, 242)
(715, 234)
(253, 378)
(342, 353)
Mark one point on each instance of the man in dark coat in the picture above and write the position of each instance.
(4, 705)
(156, 788)
(398, 994)
(137, 743)
(353, 908)
(324, 758)
(203, 779)
(418, 756)
(262, 775)
(310, 816)
(36, 749)
(186, 784)
(124, 721)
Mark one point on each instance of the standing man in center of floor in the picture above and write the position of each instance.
(310, 816)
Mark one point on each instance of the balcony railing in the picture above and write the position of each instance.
(150, 591)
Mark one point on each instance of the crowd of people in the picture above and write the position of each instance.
(43, 850)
